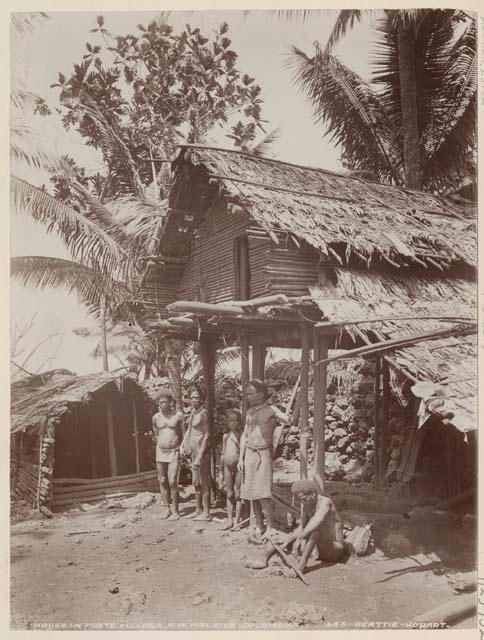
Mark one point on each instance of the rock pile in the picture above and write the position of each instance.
(349, 424)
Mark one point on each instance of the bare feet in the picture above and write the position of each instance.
(195, 514)
(205, 517)
(165, 513)
(271, 532)
(174, 516)
(228, 524)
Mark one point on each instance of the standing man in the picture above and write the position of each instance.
(168, 432)
(257, 447)
(196, 443)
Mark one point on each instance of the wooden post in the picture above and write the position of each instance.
(245, 373)
(376, 421)
(135, 435)
(111, 444)
(208, 355)
(304, 402)
(319, 415)
(92, 445)
(258, 360)
(385, 420)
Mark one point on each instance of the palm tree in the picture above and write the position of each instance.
(415, 123)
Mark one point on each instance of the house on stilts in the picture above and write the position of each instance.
(79, 438)
(263, 253)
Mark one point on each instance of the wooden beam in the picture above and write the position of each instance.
(245, 373)
(304, 401)
(385, 420)
(376, 422)
(111, 441)
(400, 343)
(319, 414)
(205, 308)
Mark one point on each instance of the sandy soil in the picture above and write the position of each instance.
(126, 566)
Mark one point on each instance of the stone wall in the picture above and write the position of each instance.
(349, 421)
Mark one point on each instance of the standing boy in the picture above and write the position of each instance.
(229, 473)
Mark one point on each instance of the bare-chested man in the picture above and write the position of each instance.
(257, 446)
(168, 431)
(321, 527)
(196, 443)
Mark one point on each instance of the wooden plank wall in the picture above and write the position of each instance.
(260, 246)
(160, 287)
(209, 275)
(24, 461)
(291, 270)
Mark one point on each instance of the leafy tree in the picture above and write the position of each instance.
(160, 88)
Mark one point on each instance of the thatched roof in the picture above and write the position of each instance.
(392, 307)
(38, 399)
(327, 210)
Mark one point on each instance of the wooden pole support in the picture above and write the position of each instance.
(136, 435)
(304, 402)
(385, 420)
(111, 445)
(258, 360)
(319, 415)
(376, 421)
(245, 372)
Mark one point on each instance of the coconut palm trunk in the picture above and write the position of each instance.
(104, 339)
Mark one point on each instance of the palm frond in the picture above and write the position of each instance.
(89, 285)
(25, 23)
(141, 220)
(26, 148)
(345, 21)
(86, 241)
(263, 147)
(352, 111)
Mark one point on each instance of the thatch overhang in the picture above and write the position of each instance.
(40, 399)
(385, 307)
(330, 212)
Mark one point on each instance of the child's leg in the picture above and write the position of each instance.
(229, 488)
(238, 502)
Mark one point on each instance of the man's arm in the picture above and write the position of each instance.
(243, 442)
(154, 427)
(280, 415)
(317, 520)
(204, 441)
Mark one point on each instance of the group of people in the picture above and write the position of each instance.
(245, 472)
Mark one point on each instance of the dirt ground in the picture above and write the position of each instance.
(126, 566)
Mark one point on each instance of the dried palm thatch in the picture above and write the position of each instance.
(387, 307)
(328, 211)
(47, 397)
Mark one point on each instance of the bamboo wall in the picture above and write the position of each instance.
(160, 287)
(209, 275)
(290, 270)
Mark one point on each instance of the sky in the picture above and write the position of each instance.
(262, 42)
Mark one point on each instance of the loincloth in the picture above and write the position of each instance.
(166, 455)
(257, 477)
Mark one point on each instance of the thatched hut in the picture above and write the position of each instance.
(263, 253)
(79, 438)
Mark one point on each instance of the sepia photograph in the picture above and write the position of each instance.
(243, 319)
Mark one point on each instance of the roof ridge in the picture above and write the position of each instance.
(317, 169)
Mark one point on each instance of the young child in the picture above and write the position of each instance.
(229, 474)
